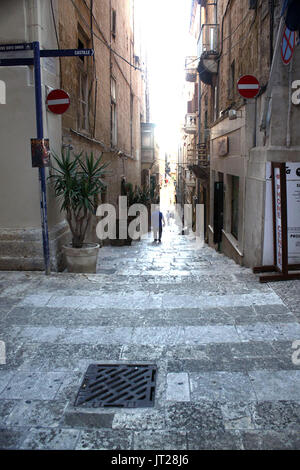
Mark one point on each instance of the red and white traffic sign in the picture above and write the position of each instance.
(288, 44)
(58, 101)
(248, 86)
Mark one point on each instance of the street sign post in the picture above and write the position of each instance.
(30, 54)
(58, 101)
(288, 44)
(248, 86)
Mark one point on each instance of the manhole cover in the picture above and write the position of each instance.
(120, 385)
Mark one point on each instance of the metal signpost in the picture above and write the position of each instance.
(30, 54)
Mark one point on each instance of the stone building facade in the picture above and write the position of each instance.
(236, 38)
(107, 94)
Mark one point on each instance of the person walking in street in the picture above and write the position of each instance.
(157, 221)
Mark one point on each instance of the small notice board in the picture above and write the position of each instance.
(281, 245)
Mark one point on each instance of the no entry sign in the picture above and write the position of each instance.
(288, 44)
(58, 101)
(248, 86)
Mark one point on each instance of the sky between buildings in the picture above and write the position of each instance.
(165, 35)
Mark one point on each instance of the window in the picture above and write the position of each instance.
(114, 129)
(113, 23)
(84, 83)
(80, 45)
(83, 102)
(232, 80)
(235, 206)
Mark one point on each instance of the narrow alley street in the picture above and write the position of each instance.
(221, 341)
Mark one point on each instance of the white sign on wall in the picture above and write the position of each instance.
(293, 215)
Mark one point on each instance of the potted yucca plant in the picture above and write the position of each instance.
(78, 181)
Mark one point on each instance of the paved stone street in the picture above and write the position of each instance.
(222, 343)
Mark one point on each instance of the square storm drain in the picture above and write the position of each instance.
(119, 385)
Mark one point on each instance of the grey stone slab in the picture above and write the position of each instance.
(136, 300)
(6, 407)
(190, 416)
(84, 419)
(33, 385)
(70, 385)
(35, 300)
(5, 377)
(210, 334)
(12, 438)
(208, 301)
(19, 356)
(43, 334)
(271, 440)
(159, 440)
(237, 416)
(276, 385)
(159, 336)
(98, 335)
(256, 349)
(105, 440)
(142, 352)
(269, 332)
(271, 309)
(29, 413)
(182, 351)
(276, 415)
(214, 440)
(53, 357)
(221, 386)
(178, 387)
(50, 439)
(139, 419)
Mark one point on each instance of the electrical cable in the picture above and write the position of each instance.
(227, 37)
(104, 40)
(57, 39)
(54, 22)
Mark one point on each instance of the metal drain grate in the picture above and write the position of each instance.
(120, 385)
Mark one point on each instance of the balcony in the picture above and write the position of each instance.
(201, 166)
(208, 52)
(148, 143)
(190, 123)
(191, 64)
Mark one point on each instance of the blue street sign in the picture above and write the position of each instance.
(13, 62)
(66, 52)
(16, 47)
(17, 54)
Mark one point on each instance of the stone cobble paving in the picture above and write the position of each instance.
(222, 343)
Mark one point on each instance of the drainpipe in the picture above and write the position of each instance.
(263, 124)
(288, 128)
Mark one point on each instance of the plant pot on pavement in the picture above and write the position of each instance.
(82, 260)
